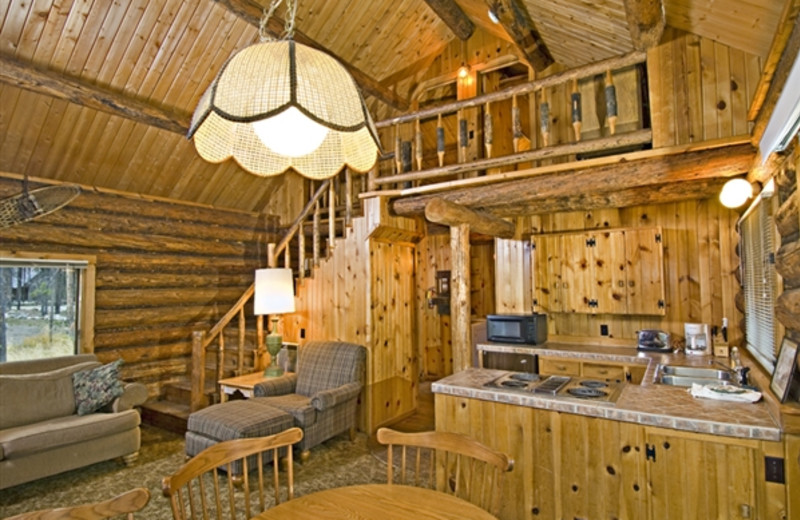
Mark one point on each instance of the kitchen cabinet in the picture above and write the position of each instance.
(603, 271)
(558, 365)
(575, 466)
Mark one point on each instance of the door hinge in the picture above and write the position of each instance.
(591, 242)
(533, 244)
(650, 452)
(661, 304)
(593, 304)
(658, 238)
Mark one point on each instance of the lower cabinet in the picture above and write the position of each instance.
(578, 467)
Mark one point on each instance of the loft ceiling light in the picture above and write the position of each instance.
(735, 192)
(278, 104)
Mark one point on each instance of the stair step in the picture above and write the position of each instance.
(167, 415)
(181, 391)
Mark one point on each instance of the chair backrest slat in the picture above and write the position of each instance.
(200, 479)
(451, 463)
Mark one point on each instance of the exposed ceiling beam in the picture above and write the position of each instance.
(617, 184)
(646, 22)
(443, 211)
(56, 85)
(517, 22)
(452, 15)
(252, 12)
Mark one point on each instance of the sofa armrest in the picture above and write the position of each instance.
(277, 386)
(326, 399)
(133, 394)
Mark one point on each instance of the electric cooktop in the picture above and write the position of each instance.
(585, 389)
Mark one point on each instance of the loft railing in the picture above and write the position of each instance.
(409, 156)
(323, 201)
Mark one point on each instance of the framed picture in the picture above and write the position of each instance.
(784, 368)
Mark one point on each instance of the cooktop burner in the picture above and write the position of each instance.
(602, 392)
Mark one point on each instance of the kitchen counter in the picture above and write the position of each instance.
(648, 404)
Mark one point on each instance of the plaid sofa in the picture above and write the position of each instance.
(322, 395)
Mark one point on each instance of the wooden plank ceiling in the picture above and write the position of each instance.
(67, 65)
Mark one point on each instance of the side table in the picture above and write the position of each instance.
(243, 384)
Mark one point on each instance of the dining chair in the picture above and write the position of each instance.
(449, 462)
(124, 504)
(199, 490)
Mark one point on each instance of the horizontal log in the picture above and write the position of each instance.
(787, 308)
(786, 183)
(109, 279)
(787, 263)
(136, 298)
(181, 264)
(786, 218)
(450, 214)
(550, 152)
(116, 319)
(507, 199)
(145, 354)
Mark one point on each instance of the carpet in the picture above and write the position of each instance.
(335, 463)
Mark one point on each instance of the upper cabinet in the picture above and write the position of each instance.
(599, 272)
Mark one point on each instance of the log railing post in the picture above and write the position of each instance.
(331, 219)
(198, 370)
(348, 198)
(240, 348)
(220, 354)
(315, 238)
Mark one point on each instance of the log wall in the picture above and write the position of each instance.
(163, 270)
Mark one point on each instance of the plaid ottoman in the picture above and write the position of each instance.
(235, 420)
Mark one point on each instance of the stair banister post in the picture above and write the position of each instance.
(198, 370)
(331, 218)
(348, 198)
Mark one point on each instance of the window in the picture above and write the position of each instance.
(45, 306)
(760, 280)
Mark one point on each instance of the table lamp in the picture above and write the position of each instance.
(274, 295)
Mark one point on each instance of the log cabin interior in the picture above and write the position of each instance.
(537, 157)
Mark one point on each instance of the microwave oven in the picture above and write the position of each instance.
(527, 329)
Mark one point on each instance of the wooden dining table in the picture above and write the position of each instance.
(378, 502)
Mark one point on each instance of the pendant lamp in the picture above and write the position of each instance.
(279, 104)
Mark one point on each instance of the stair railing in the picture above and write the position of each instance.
(322, 201)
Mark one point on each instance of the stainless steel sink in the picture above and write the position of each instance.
(686, 376)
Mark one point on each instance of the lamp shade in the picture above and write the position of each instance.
(274, 291)
(277, 105)
(735, 192)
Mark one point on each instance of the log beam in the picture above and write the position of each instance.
(517, 22)
(646, 22)
(451, 214)
(452, 15)
(460, 305)
(519, 197)
(56, 85)
(251, 12)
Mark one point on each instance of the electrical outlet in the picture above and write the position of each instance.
(774, 471)
(604, 330)
(302, 333)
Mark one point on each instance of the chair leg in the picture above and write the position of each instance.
(130, 459)
(305, 455)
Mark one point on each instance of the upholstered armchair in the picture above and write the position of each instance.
(322, 395)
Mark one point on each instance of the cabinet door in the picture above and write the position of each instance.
(645, 272)
(609, 272)
(546, 270)
(577, 274)
(694, 477)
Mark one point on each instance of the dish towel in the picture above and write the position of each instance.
(725, 393)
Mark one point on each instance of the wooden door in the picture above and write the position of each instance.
(546, 273)
(700, 476)
(577, 273)
(645, 271)
(609, 267)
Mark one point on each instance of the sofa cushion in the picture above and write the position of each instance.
(97, 387)
(298, 405)
(30, 398)
(61, 431)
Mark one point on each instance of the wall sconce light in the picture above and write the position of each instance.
(735, 192)
(463, 71)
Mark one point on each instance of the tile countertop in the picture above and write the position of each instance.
(649, 403)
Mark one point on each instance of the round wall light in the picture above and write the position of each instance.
(735, 192)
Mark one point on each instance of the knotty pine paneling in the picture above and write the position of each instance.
(700, 265)
(699, 89)
(364, 293)
(164, 269)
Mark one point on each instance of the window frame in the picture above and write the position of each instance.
(86, 311)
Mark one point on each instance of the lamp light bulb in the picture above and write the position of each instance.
(493, 16)
(735, 192)
(290, 133)
(463, 71)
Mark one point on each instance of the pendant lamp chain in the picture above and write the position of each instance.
(264, 34)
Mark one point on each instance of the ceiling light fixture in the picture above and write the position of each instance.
(279, 104)
(493, 13)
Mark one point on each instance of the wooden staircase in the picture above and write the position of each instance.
(235, 345)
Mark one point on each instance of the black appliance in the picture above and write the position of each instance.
(527, 329)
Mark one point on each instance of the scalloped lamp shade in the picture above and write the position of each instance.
(280, 104)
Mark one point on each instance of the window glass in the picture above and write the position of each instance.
(40, 308)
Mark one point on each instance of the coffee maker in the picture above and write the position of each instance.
(698, 339)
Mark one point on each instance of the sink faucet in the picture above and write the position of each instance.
(736, 369)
